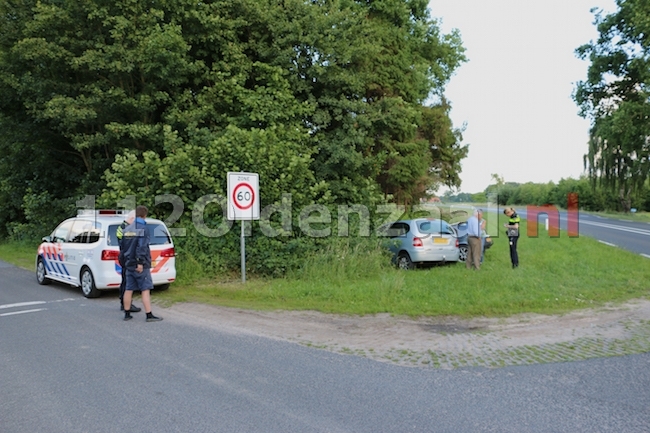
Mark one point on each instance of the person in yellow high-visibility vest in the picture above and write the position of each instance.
(512, 230)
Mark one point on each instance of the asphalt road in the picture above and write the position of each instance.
(628, 235)
(69, 364)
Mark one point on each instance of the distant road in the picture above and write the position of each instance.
(629, 235)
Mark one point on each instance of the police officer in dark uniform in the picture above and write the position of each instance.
(120, 234)
(137, 261)
(512, 230)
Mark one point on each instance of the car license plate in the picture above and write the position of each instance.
(439, 241)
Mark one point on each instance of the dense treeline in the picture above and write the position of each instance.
(327, 100)
(615, 97)
(590, 197)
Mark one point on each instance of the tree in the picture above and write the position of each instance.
(325, 99)
(615, 98)
(368, 69)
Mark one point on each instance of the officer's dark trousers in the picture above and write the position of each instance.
(123, 282)
(514, 257)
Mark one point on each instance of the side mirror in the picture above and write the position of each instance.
(46, 239)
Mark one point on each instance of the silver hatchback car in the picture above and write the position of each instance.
(422, 240)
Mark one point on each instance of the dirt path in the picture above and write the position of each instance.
(447, 342)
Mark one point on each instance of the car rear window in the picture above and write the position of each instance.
(435, 227)
(157, 233)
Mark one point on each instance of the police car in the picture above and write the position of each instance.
(83, 252)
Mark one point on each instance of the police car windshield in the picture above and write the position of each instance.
(157, 234)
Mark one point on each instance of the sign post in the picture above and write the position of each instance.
(243, 205)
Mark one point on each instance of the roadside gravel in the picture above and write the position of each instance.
(447, 342)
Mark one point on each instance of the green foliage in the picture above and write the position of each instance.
(591, 197)
(615, 98)
(323, 99)
(42, 215)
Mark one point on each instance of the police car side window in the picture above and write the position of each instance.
(84, 232)
(78, 232)
(112, 235)
(158, 234)
(61, 232)
(94, 233)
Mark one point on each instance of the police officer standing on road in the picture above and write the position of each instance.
(120, 234)
(137, 260)
(512, 230)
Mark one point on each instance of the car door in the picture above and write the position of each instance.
(78, 247)
(56, 255)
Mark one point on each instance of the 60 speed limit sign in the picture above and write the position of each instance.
(243, 196)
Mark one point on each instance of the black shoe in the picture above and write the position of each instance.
(135, 309)
(153, 318)
(129, 317)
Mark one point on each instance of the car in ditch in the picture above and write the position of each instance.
(421, 241)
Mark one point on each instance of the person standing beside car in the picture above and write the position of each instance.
(512, 230)
(137, 260)
(119, 233)
(482, 224)
(474, 240)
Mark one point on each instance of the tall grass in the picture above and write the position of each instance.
(343, 260)
(555, 275)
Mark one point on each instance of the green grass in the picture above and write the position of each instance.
(556, 275)
(21, 254)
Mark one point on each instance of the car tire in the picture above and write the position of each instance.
(41, 273)
(463, 250)
(404, 261)
(161, 288)
(88, 283)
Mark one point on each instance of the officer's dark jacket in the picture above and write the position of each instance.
(135, 245)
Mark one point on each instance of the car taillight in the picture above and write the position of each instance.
(457, 243)
(110, 254)
(169, 252)
(417, 242)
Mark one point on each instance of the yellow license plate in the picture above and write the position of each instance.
(439, 241)
(153, 263)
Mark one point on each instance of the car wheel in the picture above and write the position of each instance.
(88, 284)
(463, 253)
(41, 273)
(161, 288)
(404, 261)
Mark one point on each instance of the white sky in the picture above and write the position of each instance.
(515, 91)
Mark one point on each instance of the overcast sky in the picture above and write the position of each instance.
(515, 91)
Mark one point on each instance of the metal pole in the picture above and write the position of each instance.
(243, 253)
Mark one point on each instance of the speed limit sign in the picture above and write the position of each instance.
(243, 196)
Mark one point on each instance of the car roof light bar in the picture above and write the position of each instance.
(102, 212)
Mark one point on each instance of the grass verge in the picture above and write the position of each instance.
(22, 254)
(556, 275)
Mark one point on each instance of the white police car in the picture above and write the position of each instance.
(83, 252)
